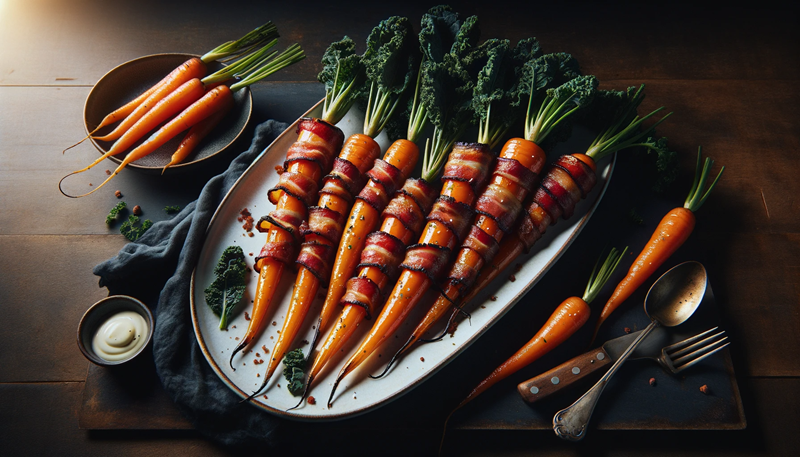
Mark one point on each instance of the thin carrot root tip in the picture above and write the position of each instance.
(79, 142)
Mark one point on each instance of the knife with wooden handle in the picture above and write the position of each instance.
(572, 371)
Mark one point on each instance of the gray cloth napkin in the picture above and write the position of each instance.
(166, 256)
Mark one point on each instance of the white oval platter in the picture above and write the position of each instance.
(357, 393)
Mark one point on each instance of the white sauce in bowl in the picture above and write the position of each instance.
(120, 336)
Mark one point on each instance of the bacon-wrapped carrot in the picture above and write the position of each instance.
(568, 181)
(307, 161)
(465, 174)
(388, 174)
(380, 253)
(515, 175)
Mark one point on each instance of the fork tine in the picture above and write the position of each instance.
(699, 355)
(675, 354)
(687, 341)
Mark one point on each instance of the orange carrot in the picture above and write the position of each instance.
(357, 156)
(402, 156)
(669, 235)
(307, 159)
(191, 69)
(196, 68)
(568, 317)
(515, 174)
(466, 171)
(196, 134)
(204, 107)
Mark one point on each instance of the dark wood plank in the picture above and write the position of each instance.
(45, 287)
(75, 43)
(42, 419)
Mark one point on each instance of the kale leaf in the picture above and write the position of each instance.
(131, 230)
(228, 288)
(113, 215)
(294, 370)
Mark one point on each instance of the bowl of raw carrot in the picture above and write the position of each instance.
(130, 85)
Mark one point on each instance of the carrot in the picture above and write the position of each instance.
(360, 151)
(669, 235)
(465, 173)
(192, 69)
(194, 113)
(307, 160)
(194, 103)
(564, 184)
(363, 220)
(198, 69)
(196, 134)
(568, 317)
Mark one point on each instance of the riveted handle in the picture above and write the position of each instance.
(564, 375)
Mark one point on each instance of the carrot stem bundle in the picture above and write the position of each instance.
(672, 231)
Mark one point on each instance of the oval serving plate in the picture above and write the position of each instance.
(357, 393)
(126, 81)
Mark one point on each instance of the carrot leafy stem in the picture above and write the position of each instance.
(243, 45)
(696, 196)
(600, 276)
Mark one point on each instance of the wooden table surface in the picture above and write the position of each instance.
(729, 74)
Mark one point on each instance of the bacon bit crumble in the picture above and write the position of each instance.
(279, 169)
(652, 381)
(312, 401)
(704, 388)
(118, 194)
(493, 298)
(246, 316)
(627, 329)
(137, 210)
(512, 278)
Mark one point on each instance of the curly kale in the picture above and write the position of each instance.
(294, 371)
(113, 215)
(132, 229)
(172, 209)
(228, 287)
(442, 33)
(498, 94)
(343, 74)
(666, 164)
(391, 61)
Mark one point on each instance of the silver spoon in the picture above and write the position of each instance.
(671, 300)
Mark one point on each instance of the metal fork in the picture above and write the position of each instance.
(683, 354)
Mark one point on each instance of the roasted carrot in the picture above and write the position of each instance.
(307, 161)
(669, 235)
(515, 175)
(192, 69)
(357, 156)
(196, 68)
(568, 317)
(465, 173)
(194, 103)
(196, 134)
(568, 181)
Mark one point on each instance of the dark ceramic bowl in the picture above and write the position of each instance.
(127, 81)
(98, 313)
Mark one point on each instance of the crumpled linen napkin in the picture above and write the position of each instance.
(185, 374)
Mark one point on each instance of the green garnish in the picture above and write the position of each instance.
(293, 370)
(598, 278)
(131, 228)
(172, 209)
(113, 215)
(228, 288)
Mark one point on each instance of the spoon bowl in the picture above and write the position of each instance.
(675, 296)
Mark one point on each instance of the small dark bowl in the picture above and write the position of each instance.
(128, 80)
(97, 314)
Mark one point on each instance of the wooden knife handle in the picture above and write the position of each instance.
(564, 375)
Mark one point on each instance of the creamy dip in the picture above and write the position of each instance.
(120, 337)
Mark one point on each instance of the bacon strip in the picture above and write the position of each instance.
(319, 148)
(567, 182)
(386, 252)
(389, 177)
